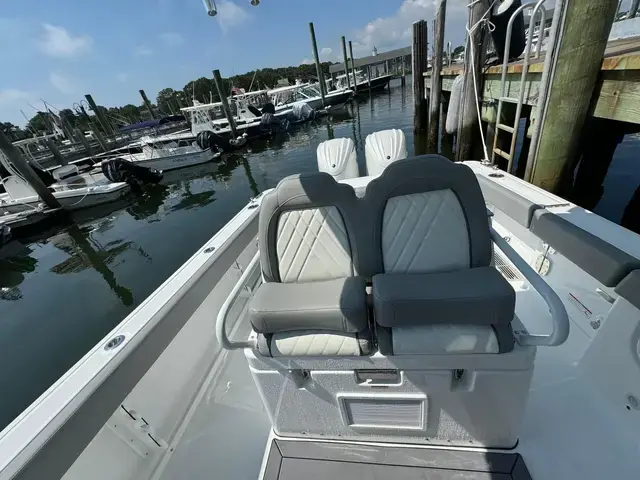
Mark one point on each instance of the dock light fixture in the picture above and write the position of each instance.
(211, 7)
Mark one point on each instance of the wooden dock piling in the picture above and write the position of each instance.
(100, 138)
(15, 157)
(147, 103)
(419, 52)
(435, 93)
(353, 68)
(217, 79)
(468, 123)
(57, 156)
(106, 125)
(578, 61)
(316, 57)
(346, 61)
(79, 134)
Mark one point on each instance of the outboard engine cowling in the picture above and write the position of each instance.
(120, 170)
(213, 142)
(301, 112)
(338, 158)
(382, 148)
(500, 16)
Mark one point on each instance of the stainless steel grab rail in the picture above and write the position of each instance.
(221, 320)
(558, 312)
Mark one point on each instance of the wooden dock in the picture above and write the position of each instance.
(616, 96)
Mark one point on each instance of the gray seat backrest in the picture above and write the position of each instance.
(307, 231)
(428, 215)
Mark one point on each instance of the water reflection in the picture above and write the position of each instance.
(85, 252)
(75, 284)
(14, 264)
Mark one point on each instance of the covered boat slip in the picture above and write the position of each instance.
(160, 398)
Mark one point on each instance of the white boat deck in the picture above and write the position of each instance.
(226, 434)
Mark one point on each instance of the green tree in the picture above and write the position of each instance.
(167, 101)
(457, 50)
(12, 131)
(131, 113)
(200, 89)
(40, 123)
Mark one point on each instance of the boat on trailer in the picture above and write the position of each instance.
(435, 319)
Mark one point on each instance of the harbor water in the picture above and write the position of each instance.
(62, 292)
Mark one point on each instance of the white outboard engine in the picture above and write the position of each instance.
(301, 112)
(338, 158)
(383, 148)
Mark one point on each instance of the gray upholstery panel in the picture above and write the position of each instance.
(334, 305)
(424, 232)
(301, 192)
(479, 296)
(606, 263)
(444, 339)
(515, 206)
(312, 244)
(424, 174)
(629, 288)
(314, 343)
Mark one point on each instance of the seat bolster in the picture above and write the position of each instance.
(337, 305)
(315, 343)
(476, 296)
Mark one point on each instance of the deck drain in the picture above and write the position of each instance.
(114, 342)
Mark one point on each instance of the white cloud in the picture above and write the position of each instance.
(230, 15)
(142, 51)
(325, 51)
(172, 39)
(58, 42)
(395, 31)
(12, 96)
(306, 61)
(122, 77)
(62, 83)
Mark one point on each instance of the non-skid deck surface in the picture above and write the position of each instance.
(293, 460)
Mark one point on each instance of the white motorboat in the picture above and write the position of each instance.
(362, 81)
(380, 327)
(285, 97)
(165, 152)
(245, 108)
(210, 117)
(74, 190)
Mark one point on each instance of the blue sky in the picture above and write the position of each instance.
(60, 50)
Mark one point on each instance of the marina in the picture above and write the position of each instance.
(427, 266)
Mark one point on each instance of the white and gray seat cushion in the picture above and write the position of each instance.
(313, 298)
(431, 253)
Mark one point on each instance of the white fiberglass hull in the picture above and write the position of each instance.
(159, 398)
(74, 199)
(171, 162)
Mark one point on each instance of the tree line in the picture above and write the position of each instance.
(168, 102)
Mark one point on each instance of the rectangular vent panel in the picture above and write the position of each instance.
(505, 267)
(396, 413)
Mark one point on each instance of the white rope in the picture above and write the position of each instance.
(469, 43)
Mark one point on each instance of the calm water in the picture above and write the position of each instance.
(62, 293)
